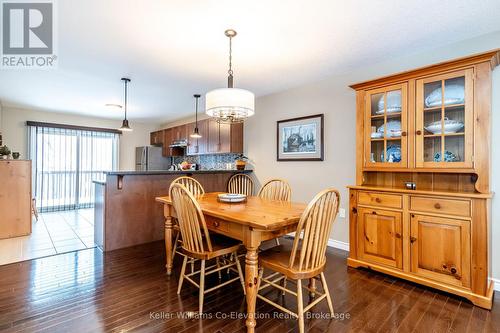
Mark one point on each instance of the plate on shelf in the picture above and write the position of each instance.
(393, 154)
(377, 135)
(393, 102)
(450, 126)
(448, 157)
(232, 197)
(453, 94)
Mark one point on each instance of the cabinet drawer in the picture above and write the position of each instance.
(216, 224)
(440, 205)
(380, 199)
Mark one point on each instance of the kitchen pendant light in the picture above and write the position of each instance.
(196, 133)
(230, 105)
(125, 126)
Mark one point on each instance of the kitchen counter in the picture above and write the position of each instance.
(168, 172)
(125, 210)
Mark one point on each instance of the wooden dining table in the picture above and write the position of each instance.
(252, 222)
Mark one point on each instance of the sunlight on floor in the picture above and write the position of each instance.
(55, 232)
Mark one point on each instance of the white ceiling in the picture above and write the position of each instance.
(172, 49)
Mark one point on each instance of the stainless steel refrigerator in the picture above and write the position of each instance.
(150, 158)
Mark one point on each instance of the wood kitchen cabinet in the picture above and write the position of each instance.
(380, 237)
(224, 138)
(420, 209)
(156, 138)
(180, 132)
(440, 249)
(197, 146)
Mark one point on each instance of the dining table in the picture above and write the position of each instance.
(253, 221)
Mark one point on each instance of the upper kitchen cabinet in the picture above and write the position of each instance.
(444, 120)
(180, 132)
(386, 131)
(224, 138)
(197, 146)
(156, 138)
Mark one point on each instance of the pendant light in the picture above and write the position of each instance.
(230, 105)
(125, 126)
(196, 133)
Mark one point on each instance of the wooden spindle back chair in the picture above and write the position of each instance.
(198, 244)
(240, 184)
(276, 189)
(306, 259)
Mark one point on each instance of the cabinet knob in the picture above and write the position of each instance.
(378, 200)
(437, 205)
(398, 235)
(403, 133)
(216, 224)
(374, 212)
(453, 270)
(413, 239)
(419, 132)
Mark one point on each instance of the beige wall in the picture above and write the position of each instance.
(15, 131)
(336, 100)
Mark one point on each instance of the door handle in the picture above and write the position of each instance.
(398, 235)
(413, 239)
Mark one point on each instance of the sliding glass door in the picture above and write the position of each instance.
(65, 161)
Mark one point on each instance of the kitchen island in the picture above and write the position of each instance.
(126, 212)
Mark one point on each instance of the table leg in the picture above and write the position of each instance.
(251, 276)
(168, 240)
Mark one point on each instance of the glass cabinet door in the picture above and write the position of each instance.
(385, 127)
(444, 121)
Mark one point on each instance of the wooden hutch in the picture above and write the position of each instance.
(428, 128)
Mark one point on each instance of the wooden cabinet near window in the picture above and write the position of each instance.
(428, 128)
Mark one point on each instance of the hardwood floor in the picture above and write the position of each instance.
(124, 290)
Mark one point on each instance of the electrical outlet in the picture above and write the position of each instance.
(342, 212)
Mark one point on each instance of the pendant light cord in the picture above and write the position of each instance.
(196, 112)
(230, 71)
(125, 99)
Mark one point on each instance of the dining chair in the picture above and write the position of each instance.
(276, 189)
(199, 244)
(305, 259)
(193, 186)
(240, 184)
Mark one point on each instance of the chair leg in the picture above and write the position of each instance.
(300, 306)
(240, 272)
(277, 241)
(218, 266)
(284, 286)
(183, 271)
(202, 286)
(328, 297)
(175, 244)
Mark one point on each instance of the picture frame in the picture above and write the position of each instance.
(300, 139)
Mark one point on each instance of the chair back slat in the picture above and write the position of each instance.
(276, 189)
(191, 220)
(191, 184)
(240, 184)
(315, 225)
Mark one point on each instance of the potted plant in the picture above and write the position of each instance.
(241, 162)
(4, 152)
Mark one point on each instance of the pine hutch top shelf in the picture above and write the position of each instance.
(423, 192)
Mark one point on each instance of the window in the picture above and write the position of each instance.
(65, 161)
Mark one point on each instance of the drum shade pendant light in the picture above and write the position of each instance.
(125, 126)
(196, 133)
(230, 105)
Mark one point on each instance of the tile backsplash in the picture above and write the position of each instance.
(210, 162)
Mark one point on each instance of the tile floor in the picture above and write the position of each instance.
(54, 233)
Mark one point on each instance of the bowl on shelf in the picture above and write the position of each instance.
(392, 128)
(393, 154)
(448, 157)
(453, 94)
(393, 102)
(450, 126)
(377, 135)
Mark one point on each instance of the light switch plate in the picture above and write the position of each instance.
(342, 212)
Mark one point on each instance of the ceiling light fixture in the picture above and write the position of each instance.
(125, 126)
(230, 105)
(196, 133)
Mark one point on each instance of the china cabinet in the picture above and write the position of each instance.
(420, 209)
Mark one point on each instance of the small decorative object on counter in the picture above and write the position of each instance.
(15, 155)
(241, 162)
(410, 185)
(232, 197)
(4, 152)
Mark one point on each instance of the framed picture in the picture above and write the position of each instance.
(300, 139)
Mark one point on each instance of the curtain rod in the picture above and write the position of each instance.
(73, 127)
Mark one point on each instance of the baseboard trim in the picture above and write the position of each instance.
(338, 244)
(496, 284)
